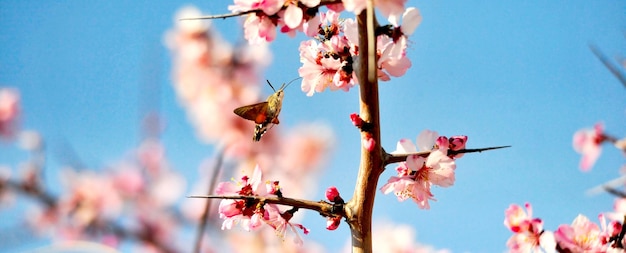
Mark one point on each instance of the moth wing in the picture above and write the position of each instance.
(255, 112)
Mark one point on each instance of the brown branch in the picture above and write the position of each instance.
(207, 207)
(396, 158)
(609, 65)
(359, 209)
(322, 207)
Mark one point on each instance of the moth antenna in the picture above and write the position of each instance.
(268, 82)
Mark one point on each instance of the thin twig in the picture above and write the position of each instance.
(609, 65)
(207, 207)
(230, 15)
(396, 158)
(322, 207)
(222, 16)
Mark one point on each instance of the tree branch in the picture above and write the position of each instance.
(396, 158)
(322, 207)
(207, 206)
(359, 209)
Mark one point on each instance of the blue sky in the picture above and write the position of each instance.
(504, 73)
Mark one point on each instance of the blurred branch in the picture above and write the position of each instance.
(322, 207)
(609, 64)
(35, 191)
(396, 158)
(205, 214)
(31, 189)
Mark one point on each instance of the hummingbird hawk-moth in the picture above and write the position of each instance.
(265, 113)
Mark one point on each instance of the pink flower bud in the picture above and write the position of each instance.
(614, 228)
(332, 194)
(369, 142)
(457, 142)
(356, 120)
(332, 223)
(442, 143)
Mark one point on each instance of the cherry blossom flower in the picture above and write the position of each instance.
(388, 8)
(418, 174)
(259, 29)
(233, 211)
(582, 236)
(389, 237)
(587, 143)
(327, 64)
(281, 222)
(269, 7)
(9, 111)
(294, 15)
(529, 235)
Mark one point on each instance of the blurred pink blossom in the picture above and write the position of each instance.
(587, 143)
(9, 112)
(582, 236)
(528, 234)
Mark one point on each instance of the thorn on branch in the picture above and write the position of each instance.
(615, 192)
(222, 16)
(396, 158)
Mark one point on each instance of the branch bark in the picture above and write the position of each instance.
(322, 207)
(359, 209)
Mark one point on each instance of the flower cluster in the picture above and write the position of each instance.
(332, 195)
(328, 60)
(581, 236)
(528, 234)
(253, 214)
(131, 199)
(418, 174)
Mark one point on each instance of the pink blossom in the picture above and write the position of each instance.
(9, 111)
(391, 8)
(280, 223)
(355, 6)
(388, 237)
(388, 8)
(269, 7)
(581, 236)
(233, 211)
(587, 143)
(417, 175)
(529, 235)
(259, 29)
(392, 60)
(328, 64)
